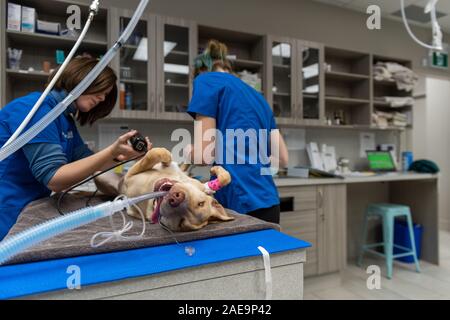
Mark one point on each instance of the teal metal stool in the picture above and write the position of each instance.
(388, 213)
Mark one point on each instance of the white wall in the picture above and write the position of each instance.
(432, 135)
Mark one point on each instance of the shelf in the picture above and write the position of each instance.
(28, 75)
(388, 105)
(347, 101)
(133, 81)
(247, 63)
(281, 66)
(282, 94)
(39, 39)
(351, 127)
(177, 85)
(178, 53)
(129, 46)
(385, 82)
(346, 77)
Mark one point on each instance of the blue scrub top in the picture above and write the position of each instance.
(235, 105)
(18, 186)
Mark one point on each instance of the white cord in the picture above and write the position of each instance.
(437, 34)
(118, 234)
(56, 77)
(268, 272)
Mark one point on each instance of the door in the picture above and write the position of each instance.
(281, 84)
(331, 228)
(135, 66)
(310, 83)
(176, 49)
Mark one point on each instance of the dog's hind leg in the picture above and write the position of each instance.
(152, 158)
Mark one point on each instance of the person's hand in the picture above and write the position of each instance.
(121, 150)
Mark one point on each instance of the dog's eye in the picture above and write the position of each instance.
(201, 204)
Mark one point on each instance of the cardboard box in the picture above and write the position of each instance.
(28, 19)
(14, 16)
(48, 27)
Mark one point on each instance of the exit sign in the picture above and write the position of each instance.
(439, 59)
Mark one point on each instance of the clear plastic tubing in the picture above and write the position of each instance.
(49, 229)
(23, 139)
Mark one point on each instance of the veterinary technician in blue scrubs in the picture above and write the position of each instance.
(222, 101)
(57, 158)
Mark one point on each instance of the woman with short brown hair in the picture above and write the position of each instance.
(57, 158)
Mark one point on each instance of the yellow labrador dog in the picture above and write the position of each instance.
(186, 207)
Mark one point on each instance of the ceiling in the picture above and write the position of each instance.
(388, 7)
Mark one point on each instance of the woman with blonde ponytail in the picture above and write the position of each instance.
(223, 102)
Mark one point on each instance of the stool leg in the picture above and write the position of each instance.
(388, 238)
(413, 242)
(363, 240)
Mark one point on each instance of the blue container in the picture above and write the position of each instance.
(407, 160)
(401, 238)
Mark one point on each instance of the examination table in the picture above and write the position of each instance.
(226, 262)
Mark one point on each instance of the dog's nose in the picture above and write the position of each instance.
(176, 198)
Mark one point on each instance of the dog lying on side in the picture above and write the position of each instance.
(187, 206)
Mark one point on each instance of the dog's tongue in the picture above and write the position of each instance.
(155, 216)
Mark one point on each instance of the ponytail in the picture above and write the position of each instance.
(214, 57)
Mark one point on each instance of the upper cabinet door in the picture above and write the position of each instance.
(310, 84)
(135, 65)
(175, 54)
(281, 84)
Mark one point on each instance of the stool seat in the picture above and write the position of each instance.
(388, 212)
(388, 209)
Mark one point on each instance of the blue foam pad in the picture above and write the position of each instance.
(46, 276)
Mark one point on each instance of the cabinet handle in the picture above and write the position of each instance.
(320, 199)
(161, 108)
(152, 103)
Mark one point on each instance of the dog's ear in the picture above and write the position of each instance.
(219, 213)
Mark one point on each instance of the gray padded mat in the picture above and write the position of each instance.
(77, 242)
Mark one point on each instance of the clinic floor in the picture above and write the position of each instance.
(432, 283)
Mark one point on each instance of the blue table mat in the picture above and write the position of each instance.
(46, 276)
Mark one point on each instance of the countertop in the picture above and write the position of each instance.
(387, 177)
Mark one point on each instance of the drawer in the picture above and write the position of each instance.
(299, 198)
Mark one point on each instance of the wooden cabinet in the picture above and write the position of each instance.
(310, 83)
(317, 215)
(176, 49)
(331, 226)
(154, 67)
(135, 66)
(295, 82)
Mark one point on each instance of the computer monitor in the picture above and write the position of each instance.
(381, 161)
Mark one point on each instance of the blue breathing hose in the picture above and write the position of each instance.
(9, 149)
(49, 229)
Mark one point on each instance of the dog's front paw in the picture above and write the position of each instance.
(221, 174)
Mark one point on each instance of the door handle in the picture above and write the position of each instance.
(152, 103)
(161, 109)
(320, 199)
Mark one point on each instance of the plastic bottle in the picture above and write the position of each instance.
(122, 96)
(129, 99)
